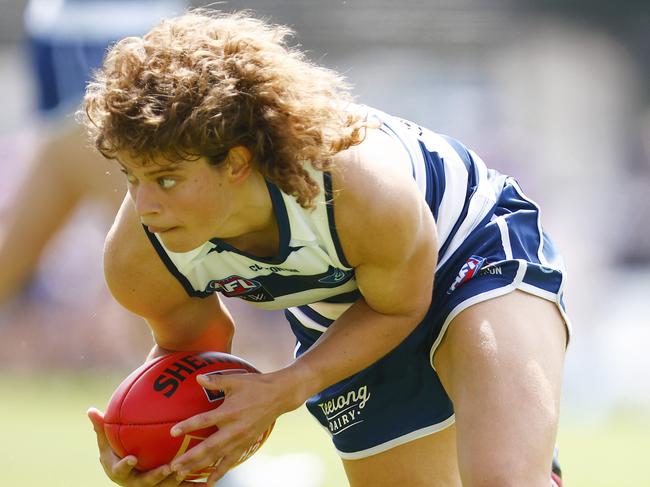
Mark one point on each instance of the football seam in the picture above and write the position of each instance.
(126, 394)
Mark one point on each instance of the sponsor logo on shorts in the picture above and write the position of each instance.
(345, 410)
(469, 270)
(491, 270)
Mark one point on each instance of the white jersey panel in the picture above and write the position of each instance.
(308, 269)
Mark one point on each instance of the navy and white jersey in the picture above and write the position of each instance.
(490, 242)
(310, 277)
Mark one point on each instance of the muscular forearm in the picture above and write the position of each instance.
(360, 337)
(215, 337)
(194, 327)
(221, 343)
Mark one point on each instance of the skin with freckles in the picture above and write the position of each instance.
(188, 203)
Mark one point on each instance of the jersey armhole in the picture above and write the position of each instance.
(171, 267)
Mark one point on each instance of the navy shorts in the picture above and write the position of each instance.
(400, 397)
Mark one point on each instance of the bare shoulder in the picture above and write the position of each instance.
(134, 272)
(377, 200)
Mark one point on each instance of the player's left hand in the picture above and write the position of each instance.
(252, 403)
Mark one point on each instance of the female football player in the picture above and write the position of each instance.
(425, 298)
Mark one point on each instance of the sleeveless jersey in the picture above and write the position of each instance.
(310, 278)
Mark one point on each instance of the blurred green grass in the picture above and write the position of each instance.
(46, 438)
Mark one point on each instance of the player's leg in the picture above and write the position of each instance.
(63, 173)
(501, 363)
(426, 462)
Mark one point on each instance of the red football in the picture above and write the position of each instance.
(159, 394)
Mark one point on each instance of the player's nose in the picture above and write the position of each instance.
(145, 200)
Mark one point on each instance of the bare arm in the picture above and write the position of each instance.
(140, 281)
(394, 251)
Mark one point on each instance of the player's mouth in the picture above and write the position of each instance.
(159, 230)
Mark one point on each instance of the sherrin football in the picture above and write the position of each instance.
(159, 394)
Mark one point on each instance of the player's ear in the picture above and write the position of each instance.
(239, 163)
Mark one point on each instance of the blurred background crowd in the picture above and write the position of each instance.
(553, 92)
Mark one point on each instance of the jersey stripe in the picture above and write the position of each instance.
(329, 198)
(505, 236)
(453, 199)
(330, 311)
(307, 321)
(470, 189)
(435, 179)
(387, 129)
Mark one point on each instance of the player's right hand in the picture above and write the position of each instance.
(122, 470)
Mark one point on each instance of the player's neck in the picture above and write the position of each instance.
(257, 232)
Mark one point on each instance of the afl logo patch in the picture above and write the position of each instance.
(469, 270)
(232, 286)
(239, 287)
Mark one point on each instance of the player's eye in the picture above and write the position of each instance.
(166, 183)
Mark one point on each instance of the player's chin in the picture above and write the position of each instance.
(178, 240)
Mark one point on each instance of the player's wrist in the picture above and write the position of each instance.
(297, 383)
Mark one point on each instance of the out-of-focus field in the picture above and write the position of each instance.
(47, 440)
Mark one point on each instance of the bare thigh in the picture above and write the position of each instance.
(426, 462)
(501, 363)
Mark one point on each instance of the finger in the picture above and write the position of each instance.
(123, 468)
(215, 382)
(222, 468)
(196, 458)
(97, 419)
(200, 421)
(156, 475)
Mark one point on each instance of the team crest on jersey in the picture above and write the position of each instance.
(239, 287)
(336, 276)
(469, 270)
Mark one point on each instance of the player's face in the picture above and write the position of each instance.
(184, 203)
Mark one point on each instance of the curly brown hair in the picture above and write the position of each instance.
(201, 83)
